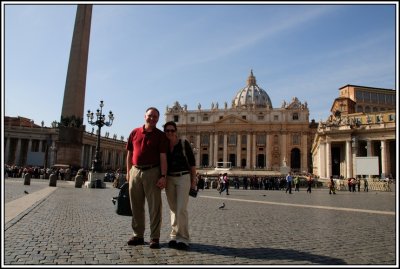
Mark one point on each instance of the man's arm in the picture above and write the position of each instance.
(162, 182)
(128, 164)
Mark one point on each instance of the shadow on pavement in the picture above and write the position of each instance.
(266, 254)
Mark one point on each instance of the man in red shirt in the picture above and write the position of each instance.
(146, 167)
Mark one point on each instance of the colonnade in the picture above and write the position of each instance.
(348, 168)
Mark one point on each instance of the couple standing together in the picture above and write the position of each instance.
(156, 160)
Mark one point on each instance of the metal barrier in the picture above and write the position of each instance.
(373, 185)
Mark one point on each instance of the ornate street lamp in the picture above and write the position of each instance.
(99, 121)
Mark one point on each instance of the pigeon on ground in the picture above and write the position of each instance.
(222, 206)
(26, 192)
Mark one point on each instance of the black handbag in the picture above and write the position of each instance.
(121, 202)
(193, 192)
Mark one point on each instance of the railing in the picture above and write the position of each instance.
(375, 185)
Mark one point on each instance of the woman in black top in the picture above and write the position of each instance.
(181, 177)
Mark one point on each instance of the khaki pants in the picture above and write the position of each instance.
(177, 191)
(142, 186)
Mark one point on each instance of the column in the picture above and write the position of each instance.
(112, 161)
(328, 160)
(215, 149)
(269, 150)
(239, 150)
(322, 161)
(254, 151)
(248, 152)
(225, 150)
(53, 154)
(267, 162)
(282, 147)
(30, 146)
(211, 149)
(40, 145)
(18, 152)
(7, 150)
(354, 148)
(104, 157)
(90, 155)
(349, 160)
(384, 158)
(304, 154)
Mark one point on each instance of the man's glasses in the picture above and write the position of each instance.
(170, 131)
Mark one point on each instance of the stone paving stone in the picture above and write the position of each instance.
(79, 226)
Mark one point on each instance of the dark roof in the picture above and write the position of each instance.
(365, 87)
(19, 121)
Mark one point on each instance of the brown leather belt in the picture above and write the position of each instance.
(178, 174)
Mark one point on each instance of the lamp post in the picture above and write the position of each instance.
(99, 121)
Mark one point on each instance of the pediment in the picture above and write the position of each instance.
(231, 119)
(295, 104)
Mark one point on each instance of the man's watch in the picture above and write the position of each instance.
(162, 175)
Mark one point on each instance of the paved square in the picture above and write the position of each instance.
(79, 226)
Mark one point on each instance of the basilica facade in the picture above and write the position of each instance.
(249, 133)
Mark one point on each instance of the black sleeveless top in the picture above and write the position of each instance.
(176, 159)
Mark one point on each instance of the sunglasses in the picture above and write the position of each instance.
(170, 131)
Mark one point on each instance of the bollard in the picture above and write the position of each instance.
(78, 181)
(27, 179)
(53, 180)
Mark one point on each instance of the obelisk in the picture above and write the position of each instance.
(69, 146)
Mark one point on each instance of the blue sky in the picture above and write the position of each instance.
(154, 55)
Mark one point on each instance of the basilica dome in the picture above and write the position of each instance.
(251, 96)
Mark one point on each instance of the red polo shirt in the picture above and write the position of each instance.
(147, 146)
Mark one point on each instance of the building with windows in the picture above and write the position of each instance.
(250, 133)
(29, 144)
(361, 124)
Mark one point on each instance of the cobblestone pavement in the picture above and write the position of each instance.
(79, 226)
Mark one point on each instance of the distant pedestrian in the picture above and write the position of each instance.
(118, 180)
(332, 186)
(221, 184)
(200, 182)
(296, 183)
(245, 183)
(206, 182)
(289, 180)
(236, 182)
(353, 184)
(224, 184)
(365, 185)
(309, 183)
(349, 184)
